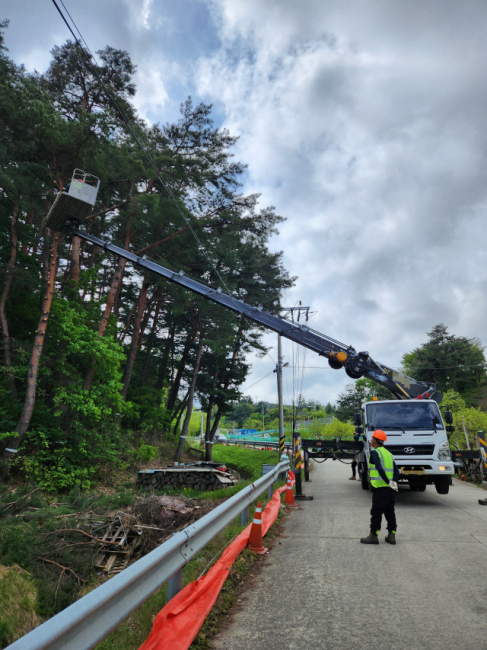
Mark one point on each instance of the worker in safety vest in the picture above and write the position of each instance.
(383, 473)
(356, 438)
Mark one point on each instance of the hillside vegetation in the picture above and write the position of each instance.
(100, 359)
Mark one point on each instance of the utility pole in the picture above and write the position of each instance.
(465, 432)
(279, 397)
(263, 417)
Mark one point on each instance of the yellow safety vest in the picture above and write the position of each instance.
(387, 460)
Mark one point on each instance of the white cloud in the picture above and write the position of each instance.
(365, 126)
(152, 96)
(363, 123)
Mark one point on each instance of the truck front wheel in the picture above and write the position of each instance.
(442, 484)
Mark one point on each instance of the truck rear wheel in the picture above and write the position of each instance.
(442, 484)
(364, 479)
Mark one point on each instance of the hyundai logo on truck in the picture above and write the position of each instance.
(409, 450)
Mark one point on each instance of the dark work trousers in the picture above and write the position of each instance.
(383, 500)
(354, 467)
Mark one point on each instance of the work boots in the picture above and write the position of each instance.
(371, 539)
(391, 538)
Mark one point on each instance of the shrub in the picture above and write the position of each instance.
(146, 453)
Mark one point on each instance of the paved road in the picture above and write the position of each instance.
(322, 589)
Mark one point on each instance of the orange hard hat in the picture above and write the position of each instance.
(380, 435)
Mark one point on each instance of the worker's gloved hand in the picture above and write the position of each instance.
(393, 486)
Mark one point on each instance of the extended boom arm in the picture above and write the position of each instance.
(72, 206)
(356, 364)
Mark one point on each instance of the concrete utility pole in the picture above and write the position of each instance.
(465, 432)
(279, 396)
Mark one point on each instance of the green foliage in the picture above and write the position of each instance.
(76, 346)
(338, 429)
(355, 395)
(240, 412)
(253, 422)
(451, 362)
(333, 429)
(146, 453)
(250, 460)
(474, 419)
(58, 461)
(452, 401)
(194, 428)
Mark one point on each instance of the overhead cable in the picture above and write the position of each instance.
(89, 55)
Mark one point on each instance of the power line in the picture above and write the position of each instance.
(413, 370)
(88, 54)
(257, 382)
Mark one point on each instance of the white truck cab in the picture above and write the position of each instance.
(416, 437)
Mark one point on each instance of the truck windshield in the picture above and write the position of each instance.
(403, 415)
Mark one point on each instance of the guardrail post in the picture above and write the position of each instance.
(270, 490)
(175, 584)
(306, 466)
(244, 516)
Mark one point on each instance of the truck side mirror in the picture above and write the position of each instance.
(357, 419)
(450, 428)
(449, 417)
(359, 430)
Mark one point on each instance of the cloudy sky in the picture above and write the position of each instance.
(363, 122)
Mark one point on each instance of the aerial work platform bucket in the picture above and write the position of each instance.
(75, 204)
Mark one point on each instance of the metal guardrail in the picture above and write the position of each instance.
(254, 444)
(85, 623)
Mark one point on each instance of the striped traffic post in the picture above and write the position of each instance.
(298, 466)
(482, 445)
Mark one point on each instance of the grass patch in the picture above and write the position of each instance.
(18, 596)
(250, 460)
(28, 521)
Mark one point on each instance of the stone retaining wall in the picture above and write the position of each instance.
(197, 479)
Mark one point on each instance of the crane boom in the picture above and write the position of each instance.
(69, 208)
(356, 364)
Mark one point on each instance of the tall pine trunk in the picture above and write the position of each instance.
(189, 410)
(181, 408)
(165, 358)
(129, 366)
(173, 394)
(3, 300)
(14, 443)
(114, 288)
(150, 341)
(208, 440)
(75, 255)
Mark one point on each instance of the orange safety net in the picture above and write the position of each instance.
(177, 624)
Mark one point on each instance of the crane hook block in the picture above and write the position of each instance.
(74, 204)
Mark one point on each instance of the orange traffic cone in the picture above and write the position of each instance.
(289, 500)
(255, 537)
